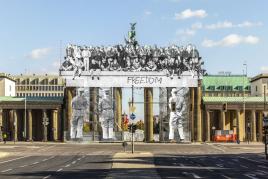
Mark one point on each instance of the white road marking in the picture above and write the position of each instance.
(261, 171)
(35, 163)
(226, 176)
(219, 165)
(252, 160)
(235, 160)
(67, 165)
(250, 175)
(47, 177)
(51, 157)
(7, 170)
(221, 160)
(261, 166)
(243, 166)
(45, 159)
(193, 174)
(79, 159)
(73, 162)
(59, 170)
(14, 159)
(23, 166)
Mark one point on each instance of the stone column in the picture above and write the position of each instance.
(208, 126)
(45, 123)
(241, 125)
(1, 124)
(55, 124)
(234, 119)
(260, 126)
(199, 114)
(118, 108)
(228, 120)
(15, 124)
(222, 120)
(192, 114)
(69, 108)
(253, 126)
(148, 114)
(94, 109)
(30, 125)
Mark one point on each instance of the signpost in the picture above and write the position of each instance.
(132, 116)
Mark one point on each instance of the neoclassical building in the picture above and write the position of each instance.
(234, 102)
(28, 116)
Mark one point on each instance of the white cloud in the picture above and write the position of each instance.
(39, 53)
(188, 32)
(264, 69)
(219, 25)
(249, 24)
(188, 13)
(197, 25)
(147, 13)
(231, 40)
(228, 24)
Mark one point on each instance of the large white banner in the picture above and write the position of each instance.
(127, 79)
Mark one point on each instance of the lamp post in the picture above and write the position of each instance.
(244, 102)
(24, 133)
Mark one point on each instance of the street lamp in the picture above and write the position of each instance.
(244, 102)
(24, 133)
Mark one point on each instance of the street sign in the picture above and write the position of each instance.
(132, 108)
(132, 116)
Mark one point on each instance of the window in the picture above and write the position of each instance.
(256, 88)
(10, 88)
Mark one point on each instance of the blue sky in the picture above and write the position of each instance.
(226, 32)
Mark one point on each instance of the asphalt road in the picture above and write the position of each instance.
(95, 160)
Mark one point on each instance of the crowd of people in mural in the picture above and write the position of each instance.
(172, 59)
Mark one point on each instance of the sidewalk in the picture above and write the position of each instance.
(4, 154)
(137, 165)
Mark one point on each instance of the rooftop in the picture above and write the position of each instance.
(8, 76)
(263, 75)
(219, 82)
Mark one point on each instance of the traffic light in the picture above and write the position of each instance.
(224, 107)
(134, 128)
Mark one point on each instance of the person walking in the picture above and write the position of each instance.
(5, 138)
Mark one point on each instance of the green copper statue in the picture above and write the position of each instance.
(132, 35)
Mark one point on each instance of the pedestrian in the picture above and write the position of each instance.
(5, 138)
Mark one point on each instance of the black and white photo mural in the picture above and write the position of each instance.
(172, 69)
(132, 64)
(106, 113)
(80, 113)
